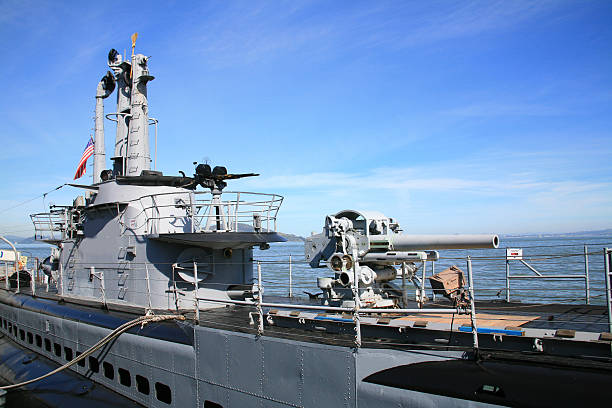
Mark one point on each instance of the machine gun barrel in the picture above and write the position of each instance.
(401, 242)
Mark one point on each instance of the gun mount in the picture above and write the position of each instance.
(366, 246)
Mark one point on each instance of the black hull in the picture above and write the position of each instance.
(502, 382)
(64, 389)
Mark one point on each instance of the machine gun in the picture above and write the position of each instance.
(366, 247)
(214, 179)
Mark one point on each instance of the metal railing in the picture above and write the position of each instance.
(31, 267)
(199, 214)
(50, 226)
(296, 276)
(492, 283)
(608, 278)
(538, 275)
(356, 313)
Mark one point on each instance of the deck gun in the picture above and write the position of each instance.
(367, 246)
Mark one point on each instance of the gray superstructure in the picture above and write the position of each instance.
(137, 242)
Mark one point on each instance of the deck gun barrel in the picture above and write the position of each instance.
(402, 242)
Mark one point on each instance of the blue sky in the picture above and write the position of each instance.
(448, 116)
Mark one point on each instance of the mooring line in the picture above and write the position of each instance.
(142, 320)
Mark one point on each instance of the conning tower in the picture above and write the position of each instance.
(145, 239)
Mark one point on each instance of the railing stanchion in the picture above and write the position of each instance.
(587, 290)
(356, 306)
(290, 277)
(404, 289)
(507, 279)
(192, 206)
(17, 275)
(6, 281)
(64, 223)
(236, 211)
(260, 327)
(423, 296)
(33, 279)
(196, 301)
(472, 305)
(433, 272)
(607, 276)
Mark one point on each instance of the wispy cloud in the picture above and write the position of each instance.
(473, 18)
(470, 194)
(239, 34)
(491, 109)
(394, 179)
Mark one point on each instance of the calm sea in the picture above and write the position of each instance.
(549, 256)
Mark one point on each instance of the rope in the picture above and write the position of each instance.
(142, 320)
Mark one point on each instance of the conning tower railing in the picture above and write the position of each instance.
(199, 212)
(241, 208)
(50, 226)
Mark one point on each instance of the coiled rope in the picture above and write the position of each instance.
(142, 320)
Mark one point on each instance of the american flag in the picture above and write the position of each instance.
(89, 150)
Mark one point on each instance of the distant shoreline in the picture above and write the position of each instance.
(298, 238)
(591, 234)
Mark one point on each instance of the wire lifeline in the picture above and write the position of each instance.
(32, 199)
(142, 320)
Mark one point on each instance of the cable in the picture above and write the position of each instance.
(115, 333)
(32, 199)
